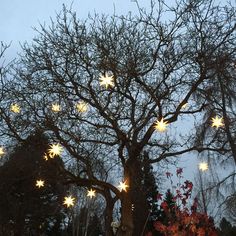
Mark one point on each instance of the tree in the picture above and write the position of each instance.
(176, 217)
(24, 209)
(106, 90)
(226, 228)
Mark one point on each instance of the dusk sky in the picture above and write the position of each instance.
(19, 17)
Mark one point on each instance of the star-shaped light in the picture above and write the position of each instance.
(15, 108)
(123, 186)
(82, 106)
(55, 150)
(106, 81)
(56, 107)
(161, 125)
(217, 122)
(39, 183)
(91, 193)
(69, 201)
(1, 151)
(203, 166)
(184, 105)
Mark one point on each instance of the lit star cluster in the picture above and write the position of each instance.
(106, 80)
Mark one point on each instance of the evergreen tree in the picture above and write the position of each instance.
(226, 229)
(24, 208)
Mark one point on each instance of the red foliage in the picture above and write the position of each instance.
(184, 221)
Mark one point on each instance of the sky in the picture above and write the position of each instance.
(19, 17)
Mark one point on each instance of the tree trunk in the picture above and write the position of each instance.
(127, 226)
(134, 207)
(109, 214)
(139, 200)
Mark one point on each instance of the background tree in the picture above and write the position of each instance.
(136, 76)
(24, 208)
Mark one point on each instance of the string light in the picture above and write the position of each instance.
(1, 151)
(217, 122)
(123, 186)
(161, 125)
(39, 183)
(45, 157)
(184, 105)
(203, 166)
(15, 108)
(55, 150)
(69, 201)
(56, 107)
(82, 106)
(106, 81)
(91, 193)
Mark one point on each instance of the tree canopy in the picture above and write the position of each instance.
(110, 89)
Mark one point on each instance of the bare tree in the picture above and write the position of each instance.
(157, 66)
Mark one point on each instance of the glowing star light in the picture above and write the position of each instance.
(15, 108)
(91, 193)
(55, 150)
(56, 107)
(184, 105)
(39, 183)
(69, 201)
(106, 81)
(82, 106)
(203, 166)
(1, 151)
(123, 186)
(217, 122)
(161, 125)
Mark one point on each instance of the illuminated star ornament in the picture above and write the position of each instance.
(82, 106)
(203, 166)
(15, 108)
(55, 150)
(69, 201)
(123, 186)
(91, 193)
(56, 107)
(161, 125)
(1, 151)
(107, 81)
(39, 183)
(217, 122)
(184, 105)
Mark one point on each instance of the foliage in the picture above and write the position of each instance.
(226, 229)
(176, 218)
(24, 208)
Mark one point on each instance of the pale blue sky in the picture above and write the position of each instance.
(18, 17)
